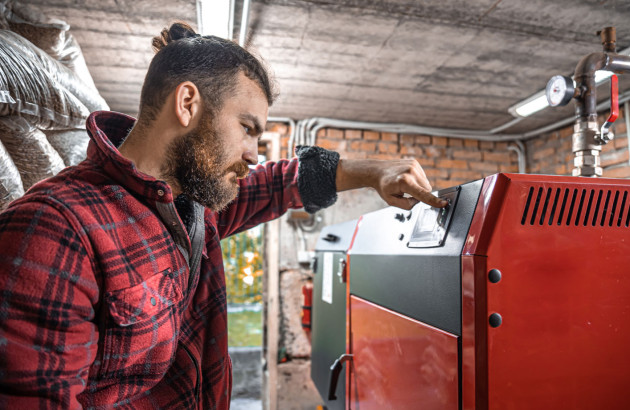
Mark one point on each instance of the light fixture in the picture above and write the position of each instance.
(538, 101)
(215, 17)
(529, 105)
(602, 75)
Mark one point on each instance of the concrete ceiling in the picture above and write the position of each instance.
(441, 63)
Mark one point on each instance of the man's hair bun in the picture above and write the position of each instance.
(212, 63)
(176, 31)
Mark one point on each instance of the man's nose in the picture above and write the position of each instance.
(251, 153)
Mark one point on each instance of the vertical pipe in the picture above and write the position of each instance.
(244, 23)
(292, 126)
(200, 28)
(520, 152)
(311, 136)
(271, 309)
(231, 20)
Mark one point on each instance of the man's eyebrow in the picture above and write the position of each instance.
(258, 129)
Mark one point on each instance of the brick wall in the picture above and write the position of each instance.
(452, 161)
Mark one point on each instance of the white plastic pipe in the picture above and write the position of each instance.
(519, 148)
(291, 123)
(213, 17)
(244, 23)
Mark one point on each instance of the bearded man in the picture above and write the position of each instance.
(113, 290)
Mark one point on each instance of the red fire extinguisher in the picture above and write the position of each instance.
(307, 303)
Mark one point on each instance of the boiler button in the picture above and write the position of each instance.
(494, 275)
(495, 320)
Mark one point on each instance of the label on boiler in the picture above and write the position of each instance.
(327, 279)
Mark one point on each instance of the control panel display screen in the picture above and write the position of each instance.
(432, 224)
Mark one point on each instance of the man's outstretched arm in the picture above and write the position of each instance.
(400, 183)
(313, 180)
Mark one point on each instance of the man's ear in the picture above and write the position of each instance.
(187, 103)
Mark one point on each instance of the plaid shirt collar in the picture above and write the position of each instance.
(107, 131)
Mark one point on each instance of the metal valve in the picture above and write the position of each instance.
(588, 137)
(605, 135)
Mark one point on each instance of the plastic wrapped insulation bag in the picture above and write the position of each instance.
(50, 35)
(71, 56)
(29, 149)
(58, 72)
(31, 23)
(29, 90)
(70, 144)
(10, 180)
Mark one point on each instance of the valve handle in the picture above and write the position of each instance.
(614, 109)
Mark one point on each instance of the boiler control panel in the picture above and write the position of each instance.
(432, 223)
(410, 261)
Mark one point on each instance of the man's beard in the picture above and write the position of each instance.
(197, 161)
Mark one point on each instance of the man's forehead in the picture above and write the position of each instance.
(249, 100)
(248, 87)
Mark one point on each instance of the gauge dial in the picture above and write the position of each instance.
(560, 90)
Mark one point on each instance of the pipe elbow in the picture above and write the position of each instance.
(589, 64)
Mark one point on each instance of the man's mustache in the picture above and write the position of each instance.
(239, 168)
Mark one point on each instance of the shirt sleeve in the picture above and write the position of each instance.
(47, 336)
(270, 190)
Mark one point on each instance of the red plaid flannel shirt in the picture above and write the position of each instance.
(99, 308)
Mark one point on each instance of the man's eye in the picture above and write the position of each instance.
(246, 128)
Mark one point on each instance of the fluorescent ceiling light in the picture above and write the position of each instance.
(602, 75)
(538, 101)
(214, 17)
(530, 105)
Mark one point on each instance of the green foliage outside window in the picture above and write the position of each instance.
(242, 257)
(243, 276)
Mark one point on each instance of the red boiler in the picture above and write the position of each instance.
(516, 296)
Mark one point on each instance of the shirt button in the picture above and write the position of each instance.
(174, 223)
(160, 192)
(153, 302)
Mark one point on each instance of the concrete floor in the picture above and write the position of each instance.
(246, 404)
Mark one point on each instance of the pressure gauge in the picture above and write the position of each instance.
(559, 90)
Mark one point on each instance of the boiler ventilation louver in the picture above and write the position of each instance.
(578, 207)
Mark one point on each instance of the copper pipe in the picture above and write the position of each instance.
(609, 39)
